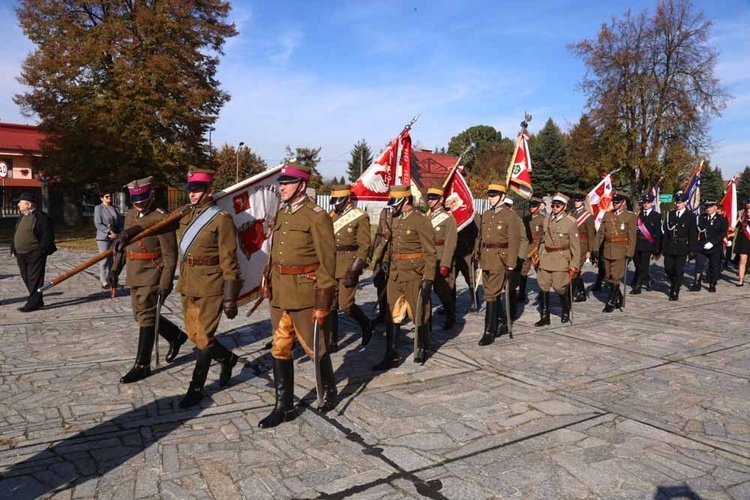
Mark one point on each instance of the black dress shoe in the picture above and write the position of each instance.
(28, 308)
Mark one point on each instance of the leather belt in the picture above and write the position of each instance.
(440, 243)
(295, 269)
(142, 255)
(534, 240)
(617, 240)
(202, 261)
(581, 235)
(347, 248)
(407, 256)
(555, 249)
(495, 245)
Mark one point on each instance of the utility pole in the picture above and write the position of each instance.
(237, 163)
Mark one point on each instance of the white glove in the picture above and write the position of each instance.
(708, 246)
(729, 243)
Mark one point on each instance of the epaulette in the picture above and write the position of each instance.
(317, 208)
(572, 218)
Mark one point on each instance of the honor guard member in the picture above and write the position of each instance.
(680, 241)
(379, 263)
(351, 227)
(465, 258)
(412, 269)
(618, 234)
(647, 244)
(533, 223)
(303, 289)
(712, 229)
(497, 247)
(446, 238)
(150, 264)
(559, 255)
(586, 236)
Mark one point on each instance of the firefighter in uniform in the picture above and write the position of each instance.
(559, 252)
(618, 234)
(303, 289)
(497, 248)
(647, 245)
(412, 269)
(150, 265)
(712, 229)
(586, 235)
(378, 260)
(351, 227)
(446, 238)
(679, 242)
(533, 223)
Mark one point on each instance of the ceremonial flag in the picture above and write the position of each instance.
(405, 158)
(694, 191)
(729, 202)
(655, 192)
(253, 204)
(458, 198)
(374, 183)
(600, 199)
(519, 171)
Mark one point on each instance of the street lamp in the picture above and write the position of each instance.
(237, 163)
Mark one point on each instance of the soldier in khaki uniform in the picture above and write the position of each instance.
(618, 234)
(533, 224)
(465, 258)
(497, 247)
(446, 237)
(559, 253)
(412, 269)
(303, 289)
(351, 227)
(587, 236)
(150, 265)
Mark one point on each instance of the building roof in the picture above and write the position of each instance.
(433, 168)
(17, 138)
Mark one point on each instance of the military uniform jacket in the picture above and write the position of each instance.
(352, 231)
(412, 235)
(446, 236)
(586, 228)
(534, 227)
(379, 249)
(560, 246)
(467, 237)
(652, 223)
(680, 233)
(157, 271)
(618, 233)
(712, 230)
(217, 240)
(303, 237)
(499, 239)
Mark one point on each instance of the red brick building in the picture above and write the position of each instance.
(432, 168)
(19, 154)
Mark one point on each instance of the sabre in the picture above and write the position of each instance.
(625, 285)
(156, 329)
(570, 298)
(477, 281)
(508, 314)
(316, 362)
(417, 317)
(255, 306)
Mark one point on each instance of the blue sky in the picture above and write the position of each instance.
(330, 73)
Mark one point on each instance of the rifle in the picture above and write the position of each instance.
(316, 362)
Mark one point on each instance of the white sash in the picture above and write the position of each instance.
(195, 227)
(439, 219)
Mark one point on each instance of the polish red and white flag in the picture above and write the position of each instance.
(600, 199)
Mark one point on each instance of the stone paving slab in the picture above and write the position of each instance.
(651, 402)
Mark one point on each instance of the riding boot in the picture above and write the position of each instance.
(513, 304)
(677, 291)
(610, 306)
(618, 297)
(142, 367)
(227, 359)
(364, 324)
(450, 315)
(696, 286)
(712, 287)
(423, 341)
(521, 295)
(490, 323)
(173, 335)
(649, 283)
(391, 353)
(599, 281)
(636, 289)
(200, 372)
(544, 310)
(283, 378)
(329, 384)
(565, 302)
(502, 318)
(579, 289)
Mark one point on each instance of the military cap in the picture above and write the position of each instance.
(618, 198)
(339, 193)
(647, 198)
(508, 201)
(578, 196)
(495, 188)
(535, 201)
(140, 190)
(434, 193)
(681, 197)
(398, 194)
(560, 198)
(199, 178)
(294, 171)
(709, 203)
(25, 197)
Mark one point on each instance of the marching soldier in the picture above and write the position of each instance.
(712, 229)
(497, 247)
(618, 234)
(378, 258)
(647, 244)
(303, 289)
(534, 225)
(412, 269)
(446, 237)
(559, 254)
(150, 265)
(351, 227)
(586, 235)
(679, 243)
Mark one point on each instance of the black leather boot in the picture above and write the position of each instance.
(521, 295)
(544, 310)
(565, 302)
(636, 290)
(712, 287)
(329, 384)
(227, 359)
(696, 286)
(172, 334)
(579, 290)
(391, 353)
(364, 323)
(649, 283)
(142, 367)
(490, 324)
(200, 372)
(283, 410)
(599, 281)
(423, 343)
(677, 291)
(618, 296)
(333, 325)
(610, 305)
(502, 318)
(450, 315)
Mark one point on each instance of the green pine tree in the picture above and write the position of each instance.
(712, 185)
(743, 187)
(360, 160)
(549, 160)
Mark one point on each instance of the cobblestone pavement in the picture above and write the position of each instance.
(653, 402)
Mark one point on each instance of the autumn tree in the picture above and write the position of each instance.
(549, 161)
(231, 163)
(122, 89)
(361, 158)
(651, 85)
(480, 136)
(584, 159)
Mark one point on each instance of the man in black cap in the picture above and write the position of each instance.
(647, 244)
(712, 229)
(33, 240)
(679, 242)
